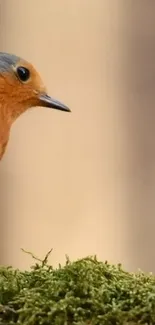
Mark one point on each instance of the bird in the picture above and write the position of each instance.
(21, 88)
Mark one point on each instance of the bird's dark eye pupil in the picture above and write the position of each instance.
(23, 73)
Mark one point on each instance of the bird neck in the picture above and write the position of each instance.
(7, 117)
(6, 120)
(4, 135)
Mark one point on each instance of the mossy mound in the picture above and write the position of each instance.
(83, 292)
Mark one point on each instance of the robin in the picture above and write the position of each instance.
(21, 88)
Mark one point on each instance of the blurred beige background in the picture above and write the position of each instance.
(82, 183)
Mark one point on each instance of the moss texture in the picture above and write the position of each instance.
(86, 291)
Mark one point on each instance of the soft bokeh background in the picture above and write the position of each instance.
(82, 183)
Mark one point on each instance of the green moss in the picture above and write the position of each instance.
(83, 292)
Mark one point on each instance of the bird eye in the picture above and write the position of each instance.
(23, 73)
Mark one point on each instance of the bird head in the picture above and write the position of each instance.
(21, 88)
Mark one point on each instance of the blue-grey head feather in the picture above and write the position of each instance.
(7, 61)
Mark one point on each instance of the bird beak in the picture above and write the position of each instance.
(47, 101)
